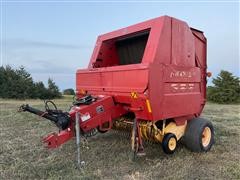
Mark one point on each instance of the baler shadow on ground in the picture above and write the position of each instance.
(22, 155)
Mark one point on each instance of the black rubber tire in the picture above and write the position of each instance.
(193, 135)
(165, 143)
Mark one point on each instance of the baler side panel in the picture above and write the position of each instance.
(201, 61)
(176, 92)
(152, 46)
(163, 53)
(183, 47)
(182, 93)
(176, 82)
(113, 80)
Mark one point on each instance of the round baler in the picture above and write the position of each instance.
(148, 78)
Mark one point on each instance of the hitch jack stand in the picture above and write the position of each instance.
(137, 144)
(80, 163)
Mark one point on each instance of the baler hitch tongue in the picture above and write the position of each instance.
(61, 119)
(55, 140)
(51, 141)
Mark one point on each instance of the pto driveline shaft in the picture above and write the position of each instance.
(30, 109)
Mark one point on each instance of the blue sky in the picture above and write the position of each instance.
(55, 39)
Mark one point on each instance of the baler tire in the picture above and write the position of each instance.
(194, 135)
(169, 143)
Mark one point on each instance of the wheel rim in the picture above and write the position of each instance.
(206, 136)
(172, 143)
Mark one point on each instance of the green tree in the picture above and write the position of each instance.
(40, 90)
(8, 82)
(69, 91)
(53, 90)
(3, 82)
(24, 84)
(226, 88)
(18, 84)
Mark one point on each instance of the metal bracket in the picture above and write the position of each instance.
(137, 145)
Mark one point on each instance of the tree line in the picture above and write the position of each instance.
(225, 89)
(18, 84)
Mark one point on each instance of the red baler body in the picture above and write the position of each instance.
(157, 68)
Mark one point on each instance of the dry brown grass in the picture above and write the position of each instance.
(22, 155)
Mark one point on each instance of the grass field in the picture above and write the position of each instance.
(22, 155)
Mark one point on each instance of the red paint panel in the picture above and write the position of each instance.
(181, 104)
(183, 47)
(174, 91)
(164, 37)
(115, 80)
